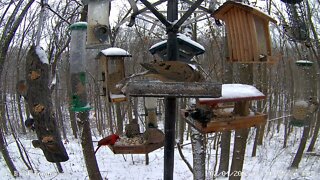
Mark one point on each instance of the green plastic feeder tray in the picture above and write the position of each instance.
(79, 26)
(81, 109)
(298, 123)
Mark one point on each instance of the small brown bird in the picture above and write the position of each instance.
(109, 140)
(175, 71)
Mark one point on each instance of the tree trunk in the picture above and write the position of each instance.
(225, 153)
(239, 148)
(87, 147)
(303, 142)
(315, 133)
(7, 157)
(241, 135)
(199, 155)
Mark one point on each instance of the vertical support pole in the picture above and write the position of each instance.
(170, 102)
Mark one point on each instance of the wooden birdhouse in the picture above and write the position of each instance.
(113, 71)
(248, 34)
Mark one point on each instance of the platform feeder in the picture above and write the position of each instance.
(305, 103)
(113, 71)
(98, 24)
(248, 35)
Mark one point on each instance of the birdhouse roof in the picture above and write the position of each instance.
(115, 52)
(229, 5)
(182, 39)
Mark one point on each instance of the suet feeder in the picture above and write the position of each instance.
(77, 66)
(248, 35)
(297, 28)
(113, 71)
(304, 101)
(98, 23)
(187, 48)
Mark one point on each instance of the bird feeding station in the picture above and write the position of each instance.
(141, 143)
(98, 23)
(304, 101)
(297, 28)
(248, 35)
(113, 71)
(77, 67)
(187, 48)
(216, 114)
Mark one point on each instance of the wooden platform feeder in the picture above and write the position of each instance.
(139, 144)
(247, 33)
(113, 71)
(236, 116)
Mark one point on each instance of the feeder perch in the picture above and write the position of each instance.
(136, 145)
(173, 89)
(225, 117)
(112, 64)
(304, 102)
(248, 34)
(98, 23)
(187, 48)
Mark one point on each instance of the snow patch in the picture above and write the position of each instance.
(114, 51)
(42, 55)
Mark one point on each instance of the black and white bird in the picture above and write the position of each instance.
(201, 115)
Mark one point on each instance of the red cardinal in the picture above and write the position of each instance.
(109, 140)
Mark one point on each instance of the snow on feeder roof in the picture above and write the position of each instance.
(187, 48)
(115, 52)
(78, 26)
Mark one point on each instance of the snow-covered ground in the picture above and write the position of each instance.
(272, 162)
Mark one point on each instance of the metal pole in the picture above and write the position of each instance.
(170, 110)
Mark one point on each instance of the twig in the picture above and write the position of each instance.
(183, 158)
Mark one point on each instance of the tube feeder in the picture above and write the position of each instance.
(305, 103)
(98, 24)
(77, 67)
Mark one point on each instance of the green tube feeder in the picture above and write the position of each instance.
(77, 67)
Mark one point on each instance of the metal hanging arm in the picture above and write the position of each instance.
(135, 13)
(200, 7)
(186, 15)
(156, 13)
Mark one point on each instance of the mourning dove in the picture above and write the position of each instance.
(175, 71)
